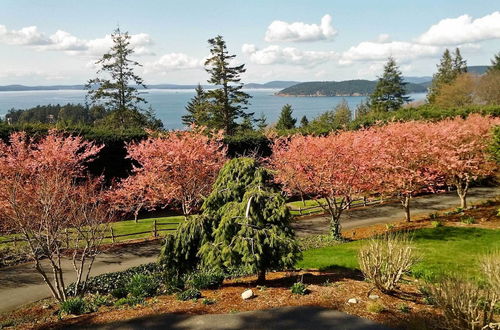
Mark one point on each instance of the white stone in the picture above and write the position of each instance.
(373, 297)
(247, 294)
(353, 301)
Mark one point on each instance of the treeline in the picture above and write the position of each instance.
(68, 114)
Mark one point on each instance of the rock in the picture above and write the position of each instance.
(373, 297)
(353, 301)
(247, 294)
(46, 306)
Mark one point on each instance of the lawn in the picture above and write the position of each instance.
(441, 250)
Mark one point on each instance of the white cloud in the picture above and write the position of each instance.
(287, 55)
(384, 37)
(380, 51)
(463, 29)
(65, 41)
(26, 36)
(173, 62)
(279, 31)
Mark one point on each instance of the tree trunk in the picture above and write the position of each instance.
(406, 204)
(462, 188)
(335, 227)
(261, 278)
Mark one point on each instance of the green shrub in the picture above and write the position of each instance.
(434, 215)
(75, 306)
(119, 293)
(142, 286)
(403, 308)
(204, 279)
(97, 300)
(436, 224)
(108, 282)
(467, 219)
(130, 301)
(189, 294)
(375, 307)
(172, 283)
(299, 288)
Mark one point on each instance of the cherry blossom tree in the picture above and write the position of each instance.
(404, 164)
(47, 198)
(460, 150)
(332, 168)
(178, 166)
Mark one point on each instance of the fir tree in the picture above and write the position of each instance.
(261, 122)
(449, 68)
(459, 64)
(390, 91)
(304, 122)
(286, 121)
(495, 63)
(197, 109)
(228, 102)
(343, 114)
(117, 95)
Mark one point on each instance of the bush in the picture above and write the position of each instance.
(468, 220)
(172, 282)
(375, 307)
(189, 294)
(204, 279)
(385, 259)
(130, 301)
(299, 288)
(490, 265)
(142, 286)
(207, 301)
(465, 304)
(119, 293)
(403, 308)
(98, 300)
(106, 283)
(75, 306)
(436, 224)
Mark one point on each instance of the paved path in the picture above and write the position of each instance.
(393, 212)
(21, 284)
(287, 318)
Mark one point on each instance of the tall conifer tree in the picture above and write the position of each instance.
(286, 121)
(390, 91)
(228, 101)
(197, 109)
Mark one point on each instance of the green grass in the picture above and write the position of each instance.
(441, 250)
(127, 227)
(295, 206)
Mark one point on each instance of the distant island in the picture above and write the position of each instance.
(341, 88)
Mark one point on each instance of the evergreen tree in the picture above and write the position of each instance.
(228, 102)
(390, 91)
(286, 121)
(197, 109)
(116, 94)
(495, 63)
(459, 64)
(449, 68)
(343, 114)
(362, 109)
(244, 222)
(304, 122)
(261, 122)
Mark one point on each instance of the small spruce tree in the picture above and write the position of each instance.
(304, 122)
(197, 109)
(261, 122)
(286, 121)
(495, 63)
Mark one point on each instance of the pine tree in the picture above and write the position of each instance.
(343, 114)
(495, 63)
(459, 64)
(286, 121)
(198, 109)
(116, 94)
(390, 91)
(261, 122)
(304, 122)
(228, 102)
(449, 68)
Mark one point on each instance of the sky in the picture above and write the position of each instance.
(58, 42)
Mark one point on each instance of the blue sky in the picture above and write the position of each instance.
(57, 42)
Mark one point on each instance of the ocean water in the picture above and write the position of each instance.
(169, 103)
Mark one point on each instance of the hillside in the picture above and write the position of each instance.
(272, 84)
(340, 88)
